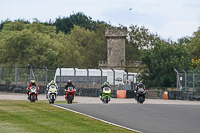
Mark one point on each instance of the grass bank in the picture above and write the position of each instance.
(40, 117)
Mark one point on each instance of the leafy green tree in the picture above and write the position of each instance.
(195, 65)
(184, 40)
(68, 51)
(38, 44)
(16, 25)
(66, 24)
(139, 38)
(91, 46)
(23, 44)
(160, 62)
(194, 44)
(2, 23)
(101, 40)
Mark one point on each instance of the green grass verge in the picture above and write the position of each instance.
(40, 117)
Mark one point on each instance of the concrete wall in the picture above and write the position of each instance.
(187, 95)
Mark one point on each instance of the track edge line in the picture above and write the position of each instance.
(97, 118)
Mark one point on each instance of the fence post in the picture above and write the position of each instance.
(46, 75)
(74, 75)
(87, 77)
(185, 79)
(132, 86)
(30, 67)
(0, 75)
(193, 80)
(101, 75)
(177, 78)
(15, 74)
(113, 78)
(60, 81)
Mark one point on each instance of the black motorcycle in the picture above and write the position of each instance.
(140, 95)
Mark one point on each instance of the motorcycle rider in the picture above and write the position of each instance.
(51, 83)
(68, 84)
(105, 84)
(140, 85)
(32, 83)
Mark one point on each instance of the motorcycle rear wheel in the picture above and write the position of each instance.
(53, 99)
(106, 99)
(141, 99)
(70, 99)
(32, 98)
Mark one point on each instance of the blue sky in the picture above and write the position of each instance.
(168, 18)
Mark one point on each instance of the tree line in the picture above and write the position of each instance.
(78, 41)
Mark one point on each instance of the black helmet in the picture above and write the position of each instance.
(106, 83)
(69, 82)
(32, 82)
(140, 85)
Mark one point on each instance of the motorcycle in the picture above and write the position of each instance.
(70, 94)
(140, 95)
(106, 94)
(52, 94)
(33, 94)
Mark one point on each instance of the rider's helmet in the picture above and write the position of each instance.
(32, 82)
(69, 82)
(105, 83)
(140, 85)
(52, 82)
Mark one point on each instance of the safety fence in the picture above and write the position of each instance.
(22, 76)
(188, 81)
(16, 79)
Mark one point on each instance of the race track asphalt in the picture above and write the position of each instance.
(147, 118)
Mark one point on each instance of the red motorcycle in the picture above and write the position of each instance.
(33, 93)
(69, 94)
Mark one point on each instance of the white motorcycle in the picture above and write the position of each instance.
(52, 94)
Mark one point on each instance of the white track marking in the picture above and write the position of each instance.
(97, 118)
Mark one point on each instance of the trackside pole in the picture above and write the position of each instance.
(177, 78)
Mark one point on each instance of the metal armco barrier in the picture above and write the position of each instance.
(130, 94)
(179, 95)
